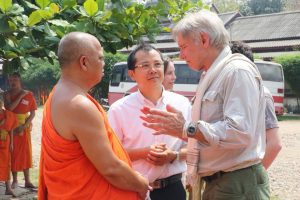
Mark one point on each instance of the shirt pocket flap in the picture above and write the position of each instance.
(210, 96)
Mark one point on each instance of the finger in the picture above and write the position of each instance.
(155, 126)
(171, 109)
(161, 146)
(150, 188)
(155, 154)
(145, 110)
(154, 111)
(150, 160)
(154, 119)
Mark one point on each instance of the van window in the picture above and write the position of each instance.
(185, 75)
(116, 75)
(270, 72)
(126, 77)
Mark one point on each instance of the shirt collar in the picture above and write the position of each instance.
(144, 101)
(225, 52)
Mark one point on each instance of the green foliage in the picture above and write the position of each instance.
(101, 89)
(91, 7)
(40, 74)
(287, 118)
(256, 7)
(225, 6)
(291, 68)
(32, 29)
(5, 5)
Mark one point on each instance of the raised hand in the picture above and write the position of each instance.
(168, 122)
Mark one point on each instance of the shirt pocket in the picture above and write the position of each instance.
(211, 108)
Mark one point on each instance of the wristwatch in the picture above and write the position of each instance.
(192, 129)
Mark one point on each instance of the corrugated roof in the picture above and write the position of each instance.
(266, 27)
(227, 17)
(271, 44)
(275, 54)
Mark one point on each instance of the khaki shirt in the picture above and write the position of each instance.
(232, 119)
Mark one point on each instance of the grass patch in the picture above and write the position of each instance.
(286, 118)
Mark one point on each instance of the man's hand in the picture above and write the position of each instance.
(160, 155)
(168, 122)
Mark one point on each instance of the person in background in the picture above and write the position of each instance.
(273, 141)
(81, 157)
(169, 74)
(161, 159)
(8, 122)
(23, 104)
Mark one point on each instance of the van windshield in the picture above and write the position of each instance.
(270, 72)
(185, 75)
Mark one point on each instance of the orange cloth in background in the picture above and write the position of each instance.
(22, 153)
(5, 154)
(67, 173)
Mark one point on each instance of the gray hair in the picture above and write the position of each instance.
(203, 21)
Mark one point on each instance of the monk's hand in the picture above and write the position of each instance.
(19, 130)
(24, 93)
(11, 147)
(2, 122)
(160, 156)
(145, 188)
(168, 122)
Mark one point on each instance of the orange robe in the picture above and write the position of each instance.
(5, 154)
(22, 153)
(67, 173)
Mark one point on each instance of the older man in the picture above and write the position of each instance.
(226, 137)
(81, 156)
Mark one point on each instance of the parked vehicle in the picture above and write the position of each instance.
(187, 81)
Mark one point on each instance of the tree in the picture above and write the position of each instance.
(256, 7)
(31, 29)
(225, 6)
(291, 69)
(292, 5)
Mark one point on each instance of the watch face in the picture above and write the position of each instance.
(191, 130)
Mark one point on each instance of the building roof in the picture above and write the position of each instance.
(274, 26)
(275, 54)
(275, 44)
(227, 18)
(274, 33)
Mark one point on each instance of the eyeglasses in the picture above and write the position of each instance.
(147, 66)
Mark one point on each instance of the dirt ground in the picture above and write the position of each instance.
(284, 173)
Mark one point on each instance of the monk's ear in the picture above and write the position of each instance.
(83, 63)
(205, 39)
(131, 74)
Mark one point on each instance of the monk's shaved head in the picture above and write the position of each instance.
(73, 45)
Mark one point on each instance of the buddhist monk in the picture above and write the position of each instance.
(81, 157)
(8, 122)
(22, 103)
